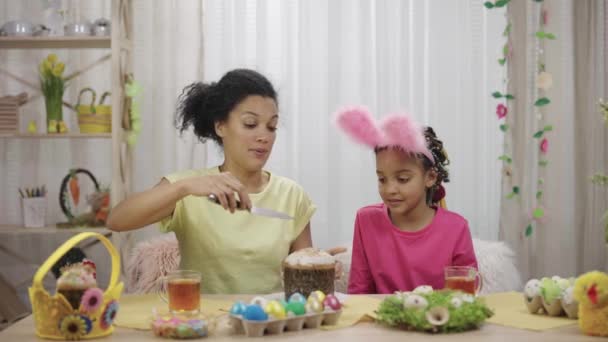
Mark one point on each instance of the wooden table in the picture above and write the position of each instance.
(23, 331)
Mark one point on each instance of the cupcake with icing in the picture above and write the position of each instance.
(75, 279)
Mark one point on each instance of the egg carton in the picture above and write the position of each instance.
(278, 326)
(557, 307)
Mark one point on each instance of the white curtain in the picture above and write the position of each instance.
(435, 59)
(570, 240)
(168, 56)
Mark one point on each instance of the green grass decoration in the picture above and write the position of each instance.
(465, 312)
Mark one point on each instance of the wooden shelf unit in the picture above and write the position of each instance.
(56, 42)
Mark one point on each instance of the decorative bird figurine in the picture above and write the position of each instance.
(591, 291)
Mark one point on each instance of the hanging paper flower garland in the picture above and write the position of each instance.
(502, 108)
(602, 179)
(543, 82)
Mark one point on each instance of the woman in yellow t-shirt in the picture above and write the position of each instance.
(235, 251)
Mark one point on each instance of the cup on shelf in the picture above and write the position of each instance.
(18, 28)
(101, 27)
(34, 211)
(78, 29)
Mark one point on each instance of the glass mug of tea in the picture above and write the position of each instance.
(181, 290)
(463, 278)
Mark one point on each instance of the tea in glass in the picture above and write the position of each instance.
(463, 278)
(183, 291)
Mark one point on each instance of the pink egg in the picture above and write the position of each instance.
(332, 302)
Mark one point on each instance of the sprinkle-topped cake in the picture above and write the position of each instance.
(308, 270)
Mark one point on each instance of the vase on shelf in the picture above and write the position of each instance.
(53, 85)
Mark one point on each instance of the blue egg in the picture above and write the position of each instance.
(297, 298)
(238, 308)
(255, 313)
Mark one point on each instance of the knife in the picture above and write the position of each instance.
(256, 210)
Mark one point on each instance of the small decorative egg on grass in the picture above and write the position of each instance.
(255, 313)
(275, 309)
(332, 302)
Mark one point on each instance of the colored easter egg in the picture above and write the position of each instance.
(259, 301)
(238, 308)
(297, 308)
(318, 295)
(297, 298)
(255, 313)
(275, 309)
(284, 303)
(314, 306)
(332, 302)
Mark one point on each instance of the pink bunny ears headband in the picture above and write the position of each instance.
(395, 130)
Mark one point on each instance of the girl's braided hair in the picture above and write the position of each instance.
(436, 192)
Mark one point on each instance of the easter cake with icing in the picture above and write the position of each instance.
(307, 270)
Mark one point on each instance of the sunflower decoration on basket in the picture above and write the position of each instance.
(426, 310)
(79, 309)
(91, 213)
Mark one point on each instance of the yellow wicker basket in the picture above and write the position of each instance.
(94, 118)
(52, 311)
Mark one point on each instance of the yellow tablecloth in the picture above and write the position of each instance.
(510, 310)
(136, 310)
(356, 309)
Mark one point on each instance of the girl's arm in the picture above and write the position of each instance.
(360, 280)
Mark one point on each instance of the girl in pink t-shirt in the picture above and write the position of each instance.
(405, 241)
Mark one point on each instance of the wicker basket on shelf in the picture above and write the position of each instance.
(9, 112)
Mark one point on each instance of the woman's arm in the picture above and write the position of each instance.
(304, 240)
(146, 207)
(153, 205)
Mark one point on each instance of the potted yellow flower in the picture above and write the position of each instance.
(53, 85)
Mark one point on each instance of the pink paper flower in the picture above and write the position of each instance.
(501, 111)
(545, 17)
(92, 299)
(544, 145)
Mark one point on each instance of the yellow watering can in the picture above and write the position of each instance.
(94, 118)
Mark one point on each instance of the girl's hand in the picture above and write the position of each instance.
(223, 186)
(339, 266)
